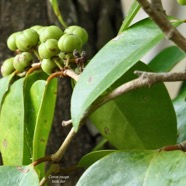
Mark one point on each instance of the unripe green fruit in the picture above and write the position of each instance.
(48, 49)
(7, 67)
(78, 31)
(50, 32)
(182, 2)
(48, 66)
(37, 28)
(22, 61)
(68, 43)
(27, 39)
(11, 41)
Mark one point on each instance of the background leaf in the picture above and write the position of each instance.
(167, 59)
(137, 168)
(140, 119)
(104, 69)
(18, 176)
(44, 117)
(92, 157)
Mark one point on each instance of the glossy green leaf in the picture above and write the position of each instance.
(134, 168)
(18, 176)
(15, 124)
(110, 63)
(44, 116)
(92, 157)
(140, 119)
(167, 59)
(130, 16)
(12, 142)
(57, 12)
(4, 86)
(180, 109)
(31, 106)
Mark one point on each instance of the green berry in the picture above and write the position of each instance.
(48, 49)
(11, 41)
(27, 39)
(7, 67)
(68, 43)
(78, 31)
(50, 32)
(22, 61)
(182, 2)
(37, 28)
(48, 66)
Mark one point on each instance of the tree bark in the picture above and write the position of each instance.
(101, 19)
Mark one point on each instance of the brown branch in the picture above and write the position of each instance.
(58, 155)
(145, 79)
(161, 20)
(181, 146)
(41, 160)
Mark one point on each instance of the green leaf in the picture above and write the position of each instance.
(12, 142)
(30, 109)
(57, 12)
(4, 86)
(15, 122)
(130, 16)
(18, 176)
(140, 119)
(92, 157)
(180, 109)
(110, 63)
(133, 168)
(44, 116)
(167, 59)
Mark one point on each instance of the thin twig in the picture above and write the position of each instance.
(144, 79)
(35, 66)
(161, 20)
(58, 155)
(41, 160)
(50, 171)
(72, 74)
(180, 146)
(66, 123)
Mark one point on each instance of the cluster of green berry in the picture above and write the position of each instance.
(53, 47)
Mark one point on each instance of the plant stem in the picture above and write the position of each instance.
(58, 155)
(34, 67)
(144, 79)
(181, 146)
(41, 160)
(159, 17)
(66, 123)
(72, 74)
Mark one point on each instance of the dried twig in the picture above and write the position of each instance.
(66, 123)
(154, 10)
(144, 79)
